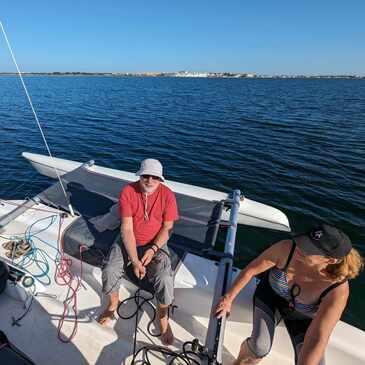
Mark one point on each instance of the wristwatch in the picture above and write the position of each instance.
(154, 247)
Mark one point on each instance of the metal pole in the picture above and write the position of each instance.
(215, 335)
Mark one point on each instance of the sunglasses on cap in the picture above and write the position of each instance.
(147, 177)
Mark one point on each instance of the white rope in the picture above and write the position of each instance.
(35, 115)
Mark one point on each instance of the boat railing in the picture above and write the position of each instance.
(216, 328)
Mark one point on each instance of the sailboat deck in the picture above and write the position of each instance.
(93, 344)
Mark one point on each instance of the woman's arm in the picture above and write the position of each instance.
(273, 256)
(319, 332)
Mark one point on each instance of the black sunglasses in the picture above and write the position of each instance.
(150, 176)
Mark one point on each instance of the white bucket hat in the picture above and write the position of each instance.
(150, 166)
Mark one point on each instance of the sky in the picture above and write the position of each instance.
(263, 36)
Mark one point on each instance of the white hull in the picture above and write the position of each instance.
(250, 212)
(95, 345)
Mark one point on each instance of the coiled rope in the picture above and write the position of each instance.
(191, 354)
(63, 274)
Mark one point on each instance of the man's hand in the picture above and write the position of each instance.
(139, 270)
(147, 257)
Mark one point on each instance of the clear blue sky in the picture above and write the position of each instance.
(262, 36)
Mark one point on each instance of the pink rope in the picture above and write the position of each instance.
(65, 277)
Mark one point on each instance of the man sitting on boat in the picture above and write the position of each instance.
(148, 210)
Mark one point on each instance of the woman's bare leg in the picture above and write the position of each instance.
(246, 357)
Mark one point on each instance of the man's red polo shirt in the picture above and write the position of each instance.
(161, 206)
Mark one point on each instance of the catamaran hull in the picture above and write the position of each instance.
(251, 213)
(194, 289)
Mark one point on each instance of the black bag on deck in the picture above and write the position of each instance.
(10, 355)
(4, 273)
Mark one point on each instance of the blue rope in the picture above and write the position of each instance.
(36, 255)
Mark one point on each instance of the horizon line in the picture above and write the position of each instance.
(187, 72)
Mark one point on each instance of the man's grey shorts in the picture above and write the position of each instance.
(158, 272)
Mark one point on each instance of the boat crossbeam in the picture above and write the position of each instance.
(216, 328)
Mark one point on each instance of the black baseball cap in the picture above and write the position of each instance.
(324, 240)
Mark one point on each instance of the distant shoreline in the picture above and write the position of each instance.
(186, 74)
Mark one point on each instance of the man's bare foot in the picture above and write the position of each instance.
(167, 337)
(106, 317)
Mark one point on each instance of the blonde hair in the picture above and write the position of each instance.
(348, 268)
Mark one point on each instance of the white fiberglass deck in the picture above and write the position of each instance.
(93, 344)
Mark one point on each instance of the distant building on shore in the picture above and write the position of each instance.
(213, 74)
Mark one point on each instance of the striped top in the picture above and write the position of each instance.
(279, 283)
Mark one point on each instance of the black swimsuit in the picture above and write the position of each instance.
(270, 308)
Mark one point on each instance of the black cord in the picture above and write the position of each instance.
(139, 306)
(188, 357)
(16, 321)
(191, 354)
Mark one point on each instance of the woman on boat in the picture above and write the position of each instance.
(303, 281)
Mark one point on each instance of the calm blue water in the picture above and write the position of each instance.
(298, 145)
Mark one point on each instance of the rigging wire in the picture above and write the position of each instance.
(35, 115)
(8, 202)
